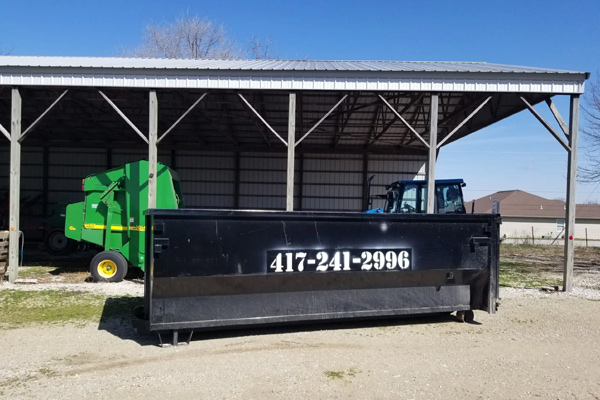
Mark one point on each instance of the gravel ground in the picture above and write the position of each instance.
(539, 344)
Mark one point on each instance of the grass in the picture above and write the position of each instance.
(19, 307)
(524, 276)
(520, 266)
(340, 375)
(541, 265)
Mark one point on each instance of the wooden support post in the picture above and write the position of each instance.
(571, 180)
(152, 149)
(15, 186)
(291, 144)
(431, 159)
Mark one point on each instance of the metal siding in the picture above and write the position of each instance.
(388, 169)
(332, 182)
(122, 157)
(262, 181)
(66, 169)
(207, 178)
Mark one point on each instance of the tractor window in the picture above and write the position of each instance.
(409, 200)
(449, 199)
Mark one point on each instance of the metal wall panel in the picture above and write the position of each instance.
(66, 168)
(388, 169)
(207, 178)
(332, 182)
(323, 182)
(262, 181)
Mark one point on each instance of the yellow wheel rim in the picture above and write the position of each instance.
(107, 268)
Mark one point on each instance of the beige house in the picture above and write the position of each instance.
(534, 219)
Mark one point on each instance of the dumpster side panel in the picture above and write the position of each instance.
(209, 269)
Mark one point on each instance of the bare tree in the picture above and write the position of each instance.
(189, 37)
(192, 37)
(261, 50)
(591, 133)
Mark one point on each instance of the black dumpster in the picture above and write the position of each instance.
(208, 269)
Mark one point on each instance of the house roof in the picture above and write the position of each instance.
(517, 203)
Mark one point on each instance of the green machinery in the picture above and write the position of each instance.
(112, 215)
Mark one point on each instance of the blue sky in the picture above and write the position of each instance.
(517, 153)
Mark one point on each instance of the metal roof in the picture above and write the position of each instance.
(287, 75)
(272, 65)
(359, 100)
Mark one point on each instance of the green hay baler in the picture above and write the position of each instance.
(112, 215)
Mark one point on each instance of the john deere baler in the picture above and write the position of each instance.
(112, 215)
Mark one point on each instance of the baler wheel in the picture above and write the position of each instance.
(108, 266)
(57, 243)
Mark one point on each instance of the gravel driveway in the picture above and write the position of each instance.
(538, 345)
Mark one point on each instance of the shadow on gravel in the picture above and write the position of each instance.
(125, 329)
(118, 316)
(328, 326)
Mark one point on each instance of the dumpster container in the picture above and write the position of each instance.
(209, 269)
(112, 215)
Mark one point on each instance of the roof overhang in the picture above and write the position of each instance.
(360, 99)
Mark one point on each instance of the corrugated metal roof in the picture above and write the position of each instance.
(272, 65)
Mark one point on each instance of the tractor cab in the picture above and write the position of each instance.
(409, 197)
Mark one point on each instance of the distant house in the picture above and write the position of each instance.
(529, 217)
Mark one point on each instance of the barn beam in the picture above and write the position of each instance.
(464, 121)
(569, 260)
(262, 119)
(545, 124)
(15, 185)
(559, 119)
(414, 132)
(152, 148)
(315, 126)
(389, 124)
(431, 159)
(181, 118)
(37, 121)
(127, 120)
(289, 197)
(5, 132)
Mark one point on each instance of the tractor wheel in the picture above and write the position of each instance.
(58, 244)
(108, 266)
